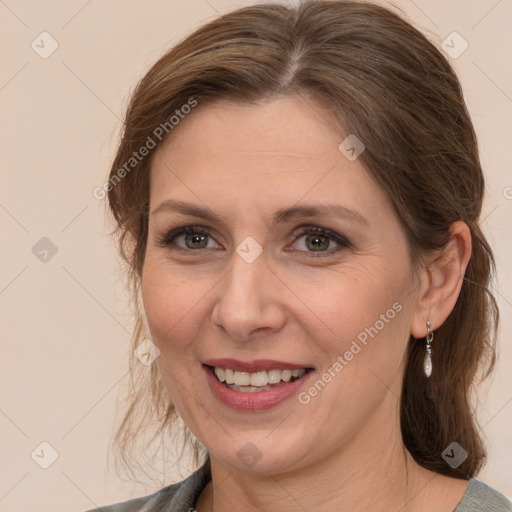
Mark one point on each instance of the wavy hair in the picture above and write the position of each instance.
(387, 83)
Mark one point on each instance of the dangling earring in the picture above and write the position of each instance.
(427, 364)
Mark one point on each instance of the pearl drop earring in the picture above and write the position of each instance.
(427, 364)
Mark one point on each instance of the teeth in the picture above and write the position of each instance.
(274, 376)
(229, 375)
(287, 375)
(248, 389)
(257, 381)
(220, 373)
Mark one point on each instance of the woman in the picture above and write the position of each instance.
(297, 194)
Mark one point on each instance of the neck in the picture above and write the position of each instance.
(371, 472)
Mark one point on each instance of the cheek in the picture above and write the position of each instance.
(170, 303)
(365, 315)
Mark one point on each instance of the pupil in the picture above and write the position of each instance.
(196, 239)
(318, 241)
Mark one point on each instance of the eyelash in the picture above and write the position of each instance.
(342, 242)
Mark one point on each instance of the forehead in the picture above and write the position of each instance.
(289, 126)
(277, 151)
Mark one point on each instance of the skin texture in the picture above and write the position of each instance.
(343, 449)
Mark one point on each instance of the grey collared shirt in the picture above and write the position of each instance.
(182, 497)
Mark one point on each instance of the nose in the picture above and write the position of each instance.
(250, 299)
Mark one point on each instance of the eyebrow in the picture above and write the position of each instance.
(280, 216)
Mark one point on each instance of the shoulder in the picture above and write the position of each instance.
(178, 497)
(479, 497)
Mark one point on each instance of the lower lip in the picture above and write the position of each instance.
(257, 401)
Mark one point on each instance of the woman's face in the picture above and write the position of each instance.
(300, 264)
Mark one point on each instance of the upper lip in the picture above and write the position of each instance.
(257, 365)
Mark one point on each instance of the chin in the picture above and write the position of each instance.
(262, 452)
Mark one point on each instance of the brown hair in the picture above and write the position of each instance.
(393, 88)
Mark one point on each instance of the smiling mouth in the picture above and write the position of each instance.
(254, 382)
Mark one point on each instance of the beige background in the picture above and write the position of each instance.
(66, 321)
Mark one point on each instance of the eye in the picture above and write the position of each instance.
(317, 241)
(191, 237)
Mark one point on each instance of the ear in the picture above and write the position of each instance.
(441, 281)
